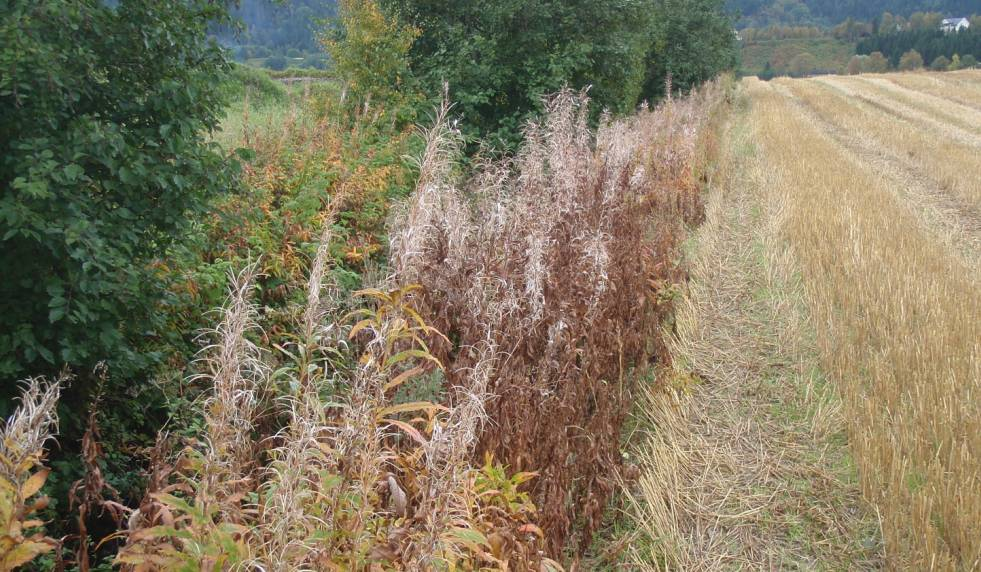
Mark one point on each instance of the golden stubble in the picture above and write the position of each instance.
(896, 319)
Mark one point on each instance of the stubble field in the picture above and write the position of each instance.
(832, 327)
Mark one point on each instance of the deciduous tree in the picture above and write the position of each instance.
(105, 110)
(911, 60)
(877, 63)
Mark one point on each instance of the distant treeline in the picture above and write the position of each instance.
(931, 44)
(762, 13)
(278, 26)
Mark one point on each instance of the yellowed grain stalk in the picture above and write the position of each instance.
(895, 311)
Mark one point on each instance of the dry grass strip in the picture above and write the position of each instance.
(935, 85)
(938, 110)
(860, 90)
(965, 79)
(745, 468)
(951, 165)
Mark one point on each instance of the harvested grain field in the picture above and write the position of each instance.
(824, 408)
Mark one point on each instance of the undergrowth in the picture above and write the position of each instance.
(529, 292)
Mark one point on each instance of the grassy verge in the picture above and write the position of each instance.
(741, 453)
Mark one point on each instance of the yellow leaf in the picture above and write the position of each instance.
(410, 430)
(411, 406)
(360, 326)
(24, 553)
(403, 377)
(34, 484)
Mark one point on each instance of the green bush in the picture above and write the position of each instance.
(105, 113)
(276, 63)
(257, 83)
(911, 60)
(501, 58)
(691, 41)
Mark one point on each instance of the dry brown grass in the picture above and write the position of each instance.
(937, 85)
(561, 260)
(950, 220)
(906, 108)
(939, 112)
(897, 324)
(964, 79)
(742, 464)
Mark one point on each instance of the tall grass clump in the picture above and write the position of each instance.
(560, 261)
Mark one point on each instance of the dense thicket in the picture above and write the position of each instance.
(931, 44)
(106, 162)
(501, 57)
(105, 110)
(828, 12)
(558, 261)
(692, 43)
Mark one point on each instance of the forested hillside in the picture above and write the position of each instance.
(930, 44)
(759, 13)
(280, 25)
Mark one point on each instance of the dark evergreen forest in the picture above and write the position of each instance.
(929, 43)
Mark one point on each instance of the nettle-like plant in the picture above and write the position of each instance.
(22, 473)
(354, 479)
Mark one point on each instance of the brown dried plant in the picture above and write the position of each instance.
(22, 473)
(560, 260)
(86, 494)
(355, 480)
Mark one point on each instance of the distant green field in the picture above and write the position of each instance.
(828, 55)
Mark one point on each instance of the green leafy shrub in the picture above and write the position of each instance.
(254, 82)
(105, 113)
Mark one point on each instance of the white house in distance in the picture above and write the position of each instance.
(955, 24)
